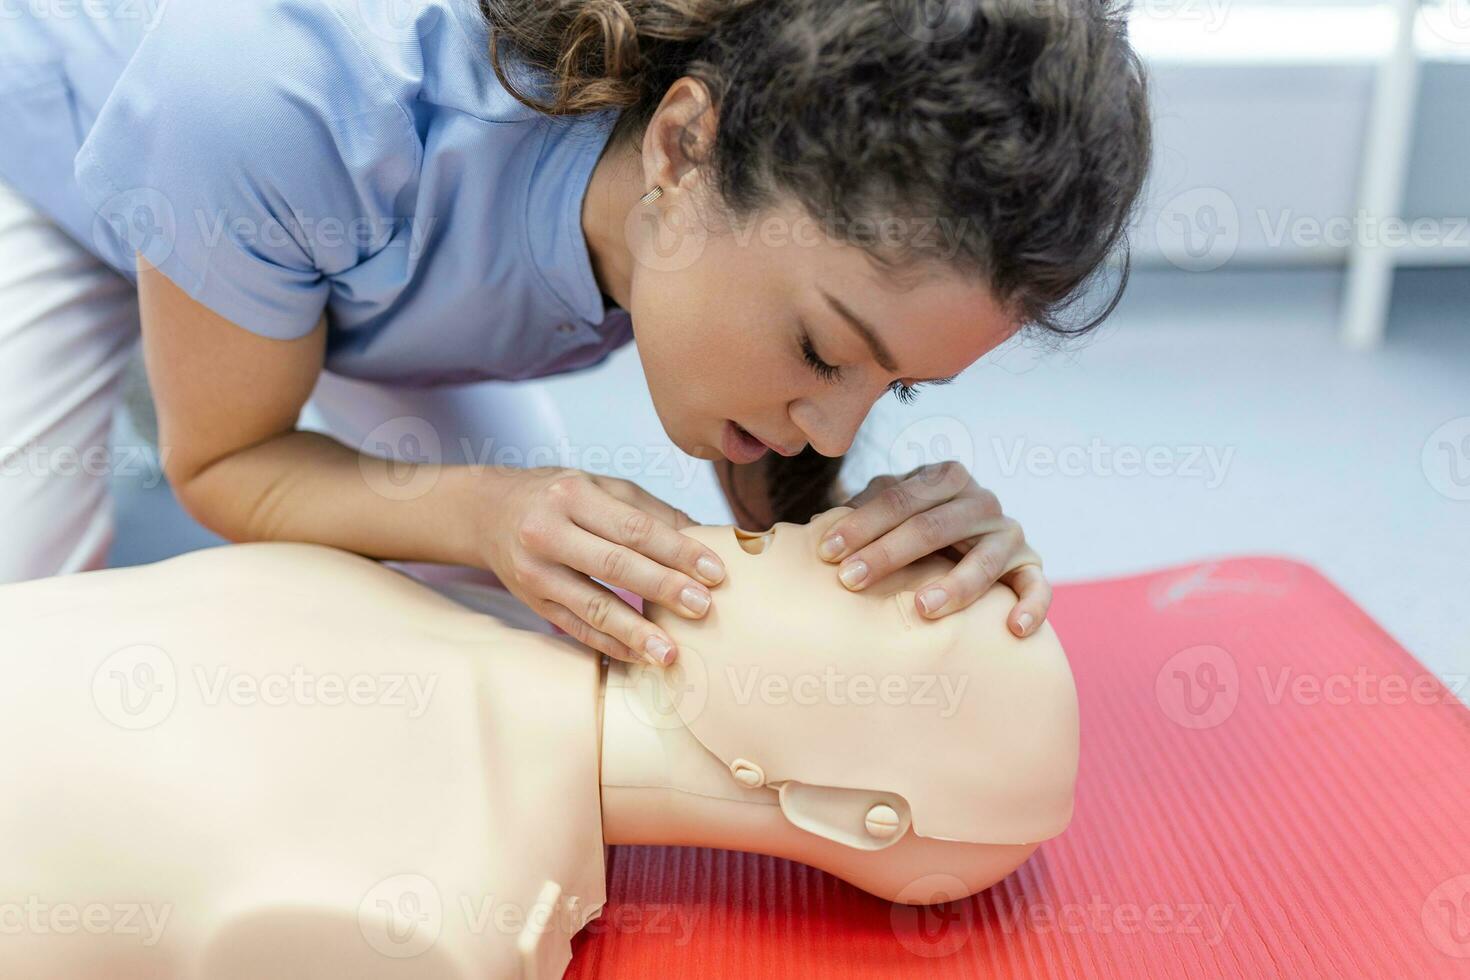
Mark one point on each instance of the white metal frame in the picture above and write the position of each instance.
(1387, 146)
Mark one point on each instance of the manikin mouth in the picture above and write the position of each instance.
(754, 542)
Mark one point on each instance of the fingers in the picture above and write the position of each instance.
(881, 510)
(952, 523)
(632, 494)
(646, 534)
(598, 617)
(620, 565)
(576, 627)
(992, 556)
(1033, 595)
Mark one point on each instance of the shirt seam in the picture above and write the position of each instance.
(385, 89)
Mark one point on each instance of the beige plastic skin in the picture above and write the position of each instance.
(276, 760)
(848, 711)
(449, 827)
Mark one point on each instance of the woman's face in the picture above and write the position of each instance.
(758, 327)
(755, 327)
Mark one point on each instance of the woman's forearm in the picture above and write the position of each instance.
(304, 486)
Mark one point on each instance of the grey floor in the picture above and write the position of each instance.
(1261, 436)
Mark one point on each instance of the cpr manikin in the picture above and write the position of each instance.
(283, 760)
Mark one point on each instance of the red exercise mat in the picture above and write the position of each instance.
(1270, 786)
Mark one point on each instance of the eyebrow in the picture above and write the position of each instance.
(865, 330)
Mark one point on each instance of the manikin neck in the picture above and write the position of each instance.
(661, 786)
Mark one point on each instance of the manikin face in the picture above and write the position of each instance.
(792, 678)
(757, 325)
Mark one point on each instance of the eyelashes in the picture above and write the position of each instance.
(832, 374)
(825, 371)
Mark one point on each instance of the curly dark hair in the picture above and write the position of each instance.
(1023, 123)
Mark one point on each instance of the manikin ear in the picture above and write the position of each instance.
(867, 820)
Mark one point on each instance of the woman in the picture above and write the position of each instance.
(792, 206)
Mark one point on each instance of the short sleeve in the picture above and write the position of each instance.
(250, 151)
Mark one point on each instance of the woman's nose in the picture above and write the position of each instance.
(831, 422)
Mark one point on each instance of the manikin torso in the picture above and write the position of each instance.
(282, 760)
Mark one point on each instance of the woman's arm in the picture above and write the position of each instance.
(228, 402)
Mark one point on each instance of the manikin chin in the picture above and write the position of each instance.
(283, 760)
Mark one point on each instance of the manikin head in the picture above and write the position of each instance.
(915, 745)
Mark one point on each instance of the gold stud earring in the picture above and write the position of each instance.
(652, 195)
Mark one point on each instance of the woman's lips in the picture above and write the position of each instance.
(740, 446)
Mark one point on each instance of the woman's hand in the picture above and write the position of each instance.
(932, 508)
(547, 532)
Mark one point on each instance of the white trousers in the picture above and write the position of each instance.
(68, 328)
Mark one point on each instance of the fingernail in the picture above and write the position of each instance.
(694, 600)
(658, 650)
(1024, 621)
(831, 547)
(853, 573)
(933, 600)
(710, 569)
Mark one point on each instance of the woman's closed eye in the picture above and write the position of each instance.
(905, 393)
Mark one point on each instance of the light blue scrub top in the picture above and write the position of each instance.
(272, 156)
